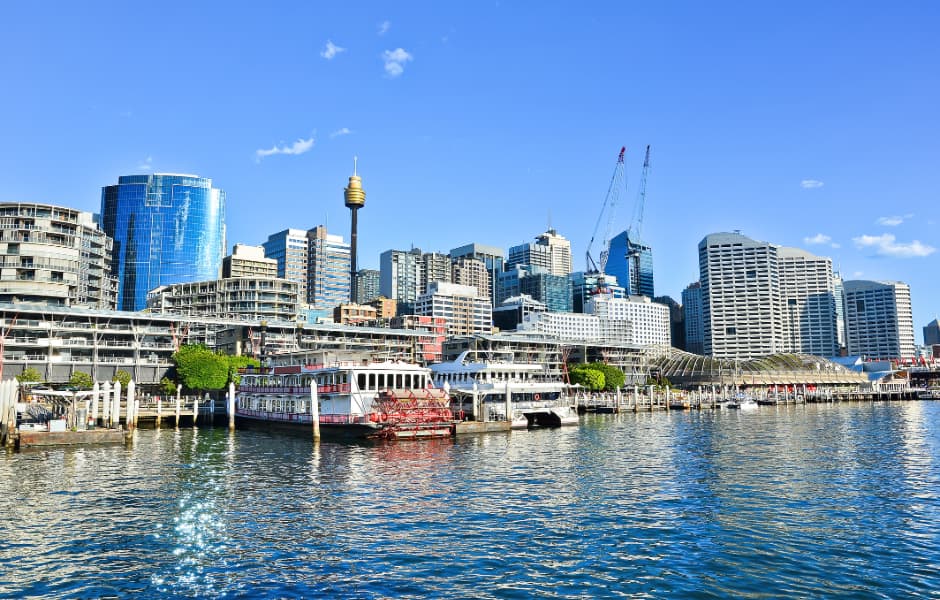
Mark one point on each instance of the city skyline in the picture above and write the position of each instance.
(806, 126)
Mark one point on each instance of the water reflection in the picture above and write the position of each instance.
(824, 500)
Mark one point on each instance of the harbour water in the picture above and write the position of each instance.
(796, 501)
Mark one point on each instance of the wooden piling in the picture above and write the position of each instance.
(131, 405)
(159, 411)
(195, 410)
(230, 406)
(315, 409)
(177, 424)
(106, 404)
(116, 407)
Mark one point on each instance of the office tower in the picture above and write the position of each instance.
(585, 285)
(807, 292)
(692, 311)
(167, 229)
(631, 262)
(550, 251)
(55, 255)
(289, 249)
(676, 319)
(248, 261)
(328, 259)
(400, 277)
(741, 307)
(839, 297)
(493, 258)
(553, 290)
(516, 310)
(878, 319)
(367, 285)
(472, 271)
(932, 333)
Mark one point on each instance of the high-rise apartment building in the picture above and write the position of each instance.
(692, 311)
(839, 297)
(367, 288)
(435, 267)
(741, 306)
(463, 309)
(289, 249)
(631, 261)
(400, 277)
(243, 298)
(472, 271)
(54, 255)
(167, 229)
(807, 291)
(493, 258)
(635, 320)
(328, 257)
(878, 319)
(550, 251)
(248, 261)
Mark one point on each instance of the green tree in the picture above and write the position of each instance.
(81, 380)
(200, 368)
(29, 375)
(613, 377)
(168, 387)
(123, 376)
(586, 377)
(239, 362)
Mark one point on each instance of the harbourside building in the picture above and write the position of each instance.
(630, 260)
(493, 259)
(551, 252)
(400, 277)
(692, 311)
(461, 307)
(808, 300)
(248, 261)
(54, 255)
(634, 320)
(741, 297)
(879, 323)
(236, 298)
(167, 228)
(328, 271)
(515, 310)
(354, 314)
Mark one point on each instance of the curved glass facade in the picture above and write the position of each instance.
(166, 228)
(631, 262)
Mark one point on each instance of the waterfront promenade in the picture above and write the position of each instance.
(827, 500)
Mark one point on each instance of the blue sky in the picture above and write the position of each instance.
(802, 123)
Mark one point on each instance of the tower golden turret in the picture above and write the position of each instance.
(355, 199)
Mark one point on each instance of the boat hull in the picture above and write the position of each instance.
(349, 431)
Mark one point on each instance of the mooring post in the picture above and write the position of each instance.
(131, 405)
(106, 404)
(508, 404)
(159, 410)
(195, 410)
(315, 409)
(93, 413)
(231, 406)
(178, 401)
(116, 408)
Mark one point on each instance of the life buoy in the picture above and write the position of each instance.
(536, 397)
(383, 417)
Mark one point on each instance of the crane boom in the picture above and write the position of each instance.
(609, 206)
(637, 223)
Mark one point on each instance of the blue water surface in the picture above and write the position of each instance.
(826, 501)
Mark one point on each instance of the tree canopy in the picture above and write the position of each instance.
(586, 377)
(81, 380)
(123, 376)
(29, 375)
(199, 368)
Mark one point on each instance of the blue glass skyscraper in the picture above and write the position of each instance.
(631, 262)
(167, 228)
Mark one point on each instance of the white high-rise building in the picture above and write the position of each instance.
(878, 319)
(634, 320)
(808, 296)
(464, 310)
(550, 251)
(741, 297)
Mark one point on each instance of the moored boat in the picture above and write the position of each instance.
(355, 399)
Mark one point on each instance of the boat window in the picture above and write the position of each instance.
(408, 381)
(381, 381)
(361, 381)
(371, 381)
(398, 381)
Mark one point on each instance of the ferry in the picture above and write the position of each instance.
(355, 399)
(479, 383)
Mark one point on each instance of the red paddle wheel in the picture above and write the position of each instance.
(414, 413)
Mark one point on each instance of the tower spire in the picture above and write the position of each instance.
(355, 198)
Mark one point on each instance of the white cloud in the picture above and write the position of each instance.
(395, 61)
(886, 245)
(331, 50)
(858, 274)
(298, 147)
(341, 131)
(809, 184)
(819, 238)
(835, 245)
(384, 27)
(147, 165)
(893, 221)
